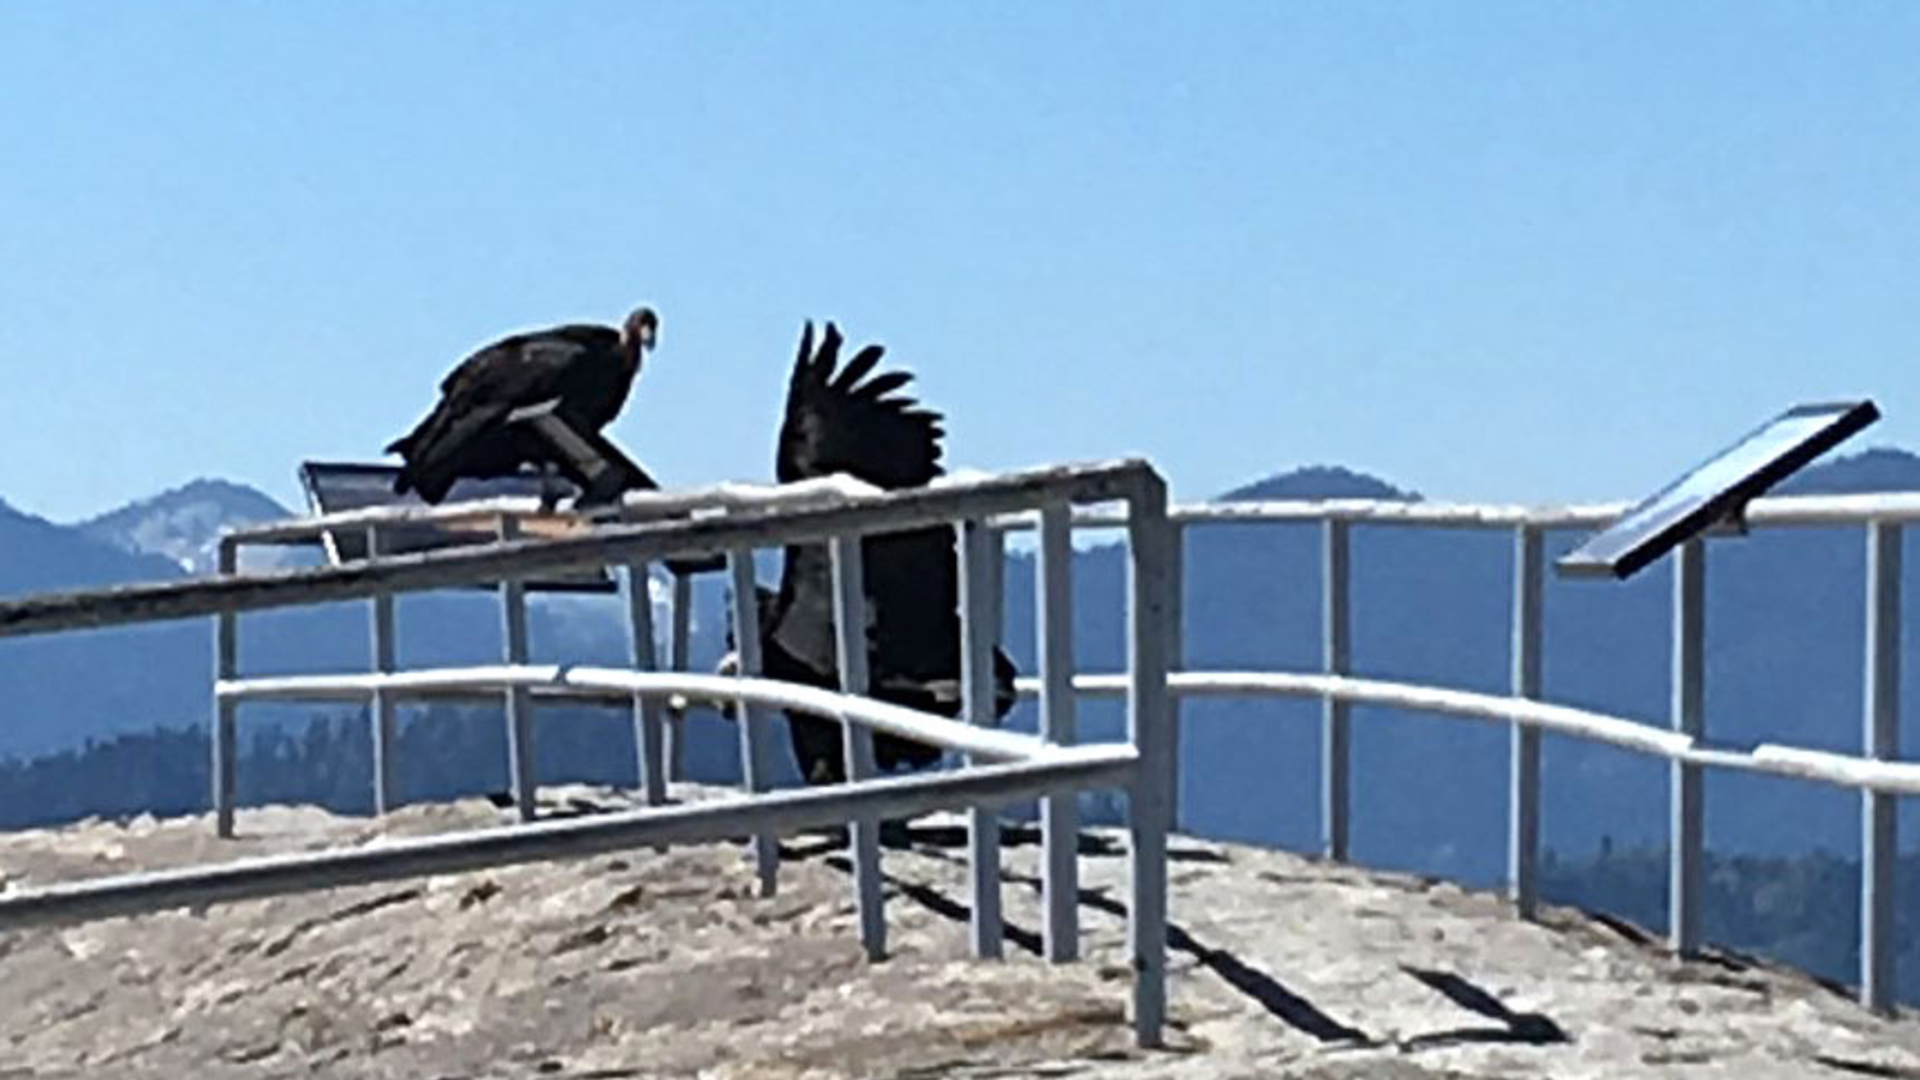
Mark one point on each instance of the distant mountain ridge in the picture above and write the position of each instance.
(1881, 468)
(184, 523)
(1318, 482)
(41, 555)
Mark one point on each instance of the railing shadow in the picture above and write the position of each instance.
(1265, 990)
(1535, 1029)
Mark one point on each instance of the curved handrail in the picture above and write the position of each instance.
(984, 743)
(992, 744)
(1899, 777)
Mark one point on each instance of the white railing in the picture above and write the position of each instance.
(1053, 502)
(1682, 742)
(1001, 766)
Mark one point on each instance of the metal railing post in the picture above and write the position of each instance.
(977, 548)
(1523, 792)
(679, 639)
(648, 738)
(382, 713)
(1176, 596)
(519, 702)
(1336, 647)
(1878, 839)
(850, 649)
(755, 768)
(996, 586)
(1686, 828)
(1059, 814)
(1149, 811)
(226, 665)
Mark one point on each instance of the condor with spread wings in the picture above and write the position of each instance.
(850, 420)
(588, 369)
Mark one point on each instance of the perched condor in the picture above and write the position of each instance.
(588, 369)
(836, 422)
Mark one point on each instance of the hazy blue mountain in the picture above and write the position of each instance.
(64, 689)
(41, 556)
(1317, 482)
(184, 524)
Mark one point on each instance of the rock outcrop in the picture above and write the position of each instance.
(668, 965)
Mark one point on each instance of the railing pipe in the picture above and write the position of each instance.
(649, 736)
(895, 511)
(1336, 654)
(1523, 797)
(381, 713)
(1149, 807)
(1879, 848)
(1059, 813)
(679, 644)
(755, 755)
(1686, 833)
(977, 548)
(850, 649)
(402, 858)
(519, 703)
(226, 665)
(584, 683)
(1772, 512)
(1176, 600)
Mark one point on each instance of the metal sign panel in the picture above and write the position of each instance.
(333, 487)
(1717, 489)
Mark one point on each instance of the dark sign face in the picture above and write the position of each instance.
(1702, 497)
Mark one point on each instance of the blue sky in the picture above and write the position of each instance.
(1489, 250)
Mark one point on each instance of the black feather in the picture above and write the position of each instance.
(587, 368)
(863, 361)
(841, 424)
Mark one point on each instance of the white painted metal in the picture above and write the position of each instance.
(479, 512)
(614, 684)
(226, 665)
(1523, 796)
(679, 641)
(850, 651)
(595, 548)
(729, 496)
(1176, 601)
(1878, 840)
(381, 711)
(978, 548)
(519, 704)
(1896, 777)
(1053, 769)
(1687, 805)
(649, 736)
(1771, 512)
(996, 586)
(401, 858)
(1149, 804)
(755, 765)
(1059, 813)
(1336, 649)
